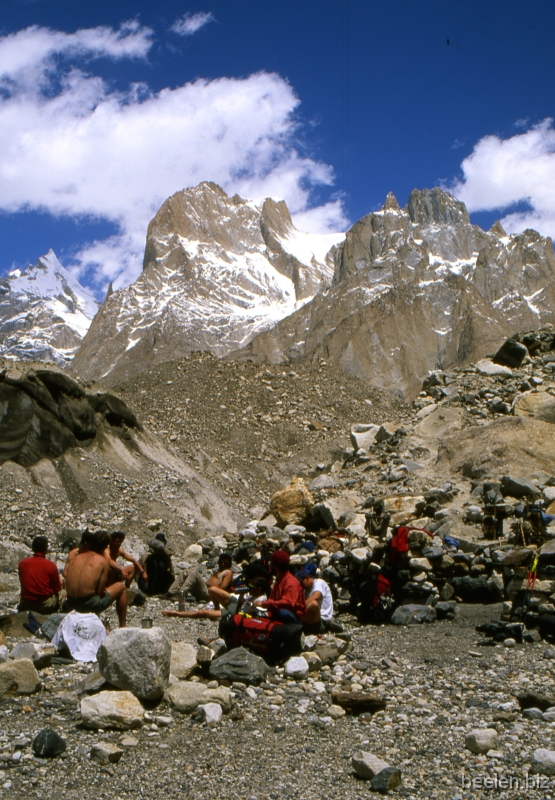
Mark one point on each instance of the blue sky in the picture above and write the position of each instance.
(107, 108)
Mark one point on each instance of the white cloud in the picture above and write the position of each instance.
(27, 58)
(74, 146)
(500, 173)
(189, 24)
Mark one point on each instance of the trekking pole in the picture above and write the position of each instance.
(531, 582)
(522, 534)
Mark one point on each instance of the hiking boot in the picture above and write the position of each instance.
(335, 627)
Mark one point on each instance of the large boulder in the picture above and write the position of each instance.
(511, 354)
(363, 436)
(413, 615)
(334, 511)
(292, 504)
(119, 710)
(239, 665)
(518, 487)
(19, 676)
(187, 696)
(40, 654)
(535, 404)
(183, 660)
(137, 660)
(487, 367)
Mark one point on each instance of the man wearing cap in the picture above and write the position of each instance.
(319, 602)
(286, 603)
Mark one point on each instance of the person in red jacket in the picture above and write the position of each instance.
(40, 581)
(287, 602)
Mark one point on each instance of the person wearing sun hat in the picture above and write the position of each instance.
(286, 603)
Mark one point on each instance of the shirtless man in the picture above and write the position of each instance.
(216, 588)
(75, 551)
(258, 590)
(122, 573)
(86, 581)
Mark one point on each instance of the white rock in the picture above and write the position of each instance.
(487, 367)
(193, 552)
(40, 654)
(211, 713)
(186, 697)
(420, 564)
(136, 660)
(367, 765)
(296, 667)
(481, 740)
(543, 761)
(363, 436)
(119, 710)
(183, 660)
(336, 712)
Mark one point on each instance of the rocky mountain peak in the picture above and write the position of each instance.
(44, 312)
(217, 270)
(391, 203)
(497, 229)
(415, 288)
(436, 207)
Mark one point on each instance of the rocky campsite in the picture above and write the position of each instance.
(380, 406)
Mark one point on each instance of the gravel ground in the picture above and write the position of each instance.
(279, 740)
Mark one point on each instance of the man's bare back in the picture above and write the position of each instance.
(87, 574)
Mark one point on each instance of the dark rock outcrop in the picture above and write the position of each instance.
(43, 412)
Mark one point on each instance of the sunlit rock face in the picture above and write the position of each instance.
(217, 271)
(415, 289)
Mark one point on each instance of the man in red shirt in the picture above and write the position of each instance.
(287, 602)
(40, 581)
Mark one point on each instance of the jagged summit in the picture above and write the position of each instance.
(217, 270)
(417, 288)
(44, 312)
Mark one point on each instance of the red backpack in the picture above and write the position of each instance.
(253, 633)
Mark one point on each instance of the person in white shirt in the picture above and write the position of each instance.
(319, 602)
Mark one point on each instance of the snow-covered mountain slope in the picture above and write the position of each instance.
(418, 288)
(44, 312)
(217, 271)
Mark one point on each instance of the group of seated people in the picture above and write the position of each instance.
(92, 580)
(289, 599)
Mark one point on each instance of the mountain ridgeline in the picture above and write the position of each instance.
(403, 292)
(417, 289)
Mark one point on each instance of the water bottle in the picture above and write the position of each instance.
(181, 600)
